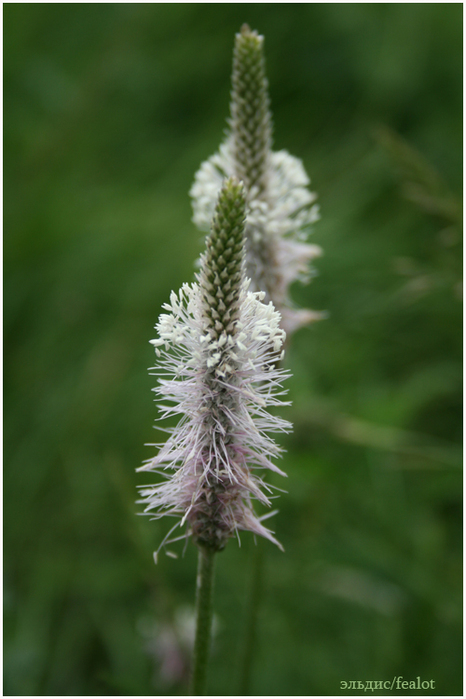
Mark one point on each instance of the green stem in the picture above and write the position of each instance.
(205, 584)
(253, 602)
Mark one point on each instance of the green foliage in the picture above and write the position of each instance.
(108, 111)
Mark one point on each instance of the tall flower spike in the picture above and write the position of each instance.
(280, 208)
(219, 346)
(250, 114)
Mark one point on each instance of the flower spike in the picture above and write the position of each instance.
(220, 345)
(280, 208)
(251, 121)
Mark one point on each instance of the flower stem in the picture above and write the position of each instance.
(204, 595)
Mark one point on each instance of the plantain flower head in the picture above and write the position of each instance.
(218, 348)
(280, 207)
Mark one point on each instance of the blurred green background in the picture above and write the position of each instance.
(109, 109)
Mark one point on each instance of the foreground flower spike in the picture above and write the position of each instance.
(280, 208)
(219, 345)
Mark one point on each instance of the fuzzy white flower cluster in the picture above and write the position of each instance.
(276, 225)
(220, 385)
(287, 208)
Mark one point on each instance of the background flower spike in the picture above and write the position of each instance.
(280, 207)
